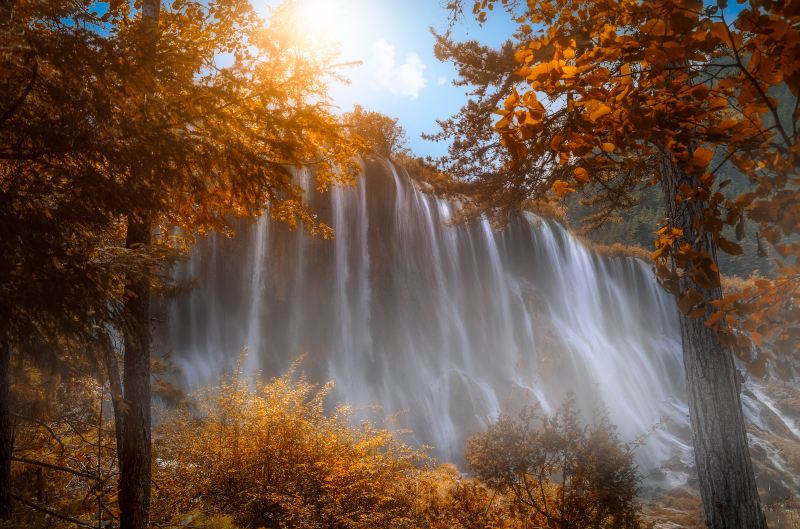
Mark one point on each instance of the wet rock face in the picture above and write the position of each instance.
(441, 327)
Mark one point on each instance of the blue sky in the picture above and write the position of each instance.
(399, 76)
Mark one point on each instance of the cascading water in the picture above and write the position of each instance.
(449, 324)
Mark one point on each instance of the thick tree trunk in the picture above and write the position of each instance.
(6, 433)
(727, 483)
(134, 453)
(135, 432)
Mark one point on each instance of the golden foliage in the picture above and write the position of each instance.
(268, 455)
(600, 90)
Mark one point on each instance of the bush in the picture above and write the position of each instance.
(269, 456)
(558, 473)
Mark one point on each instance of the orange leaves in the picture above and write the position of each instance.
(719, 31)
(599, 111)
(729, 247)
(655, 27)
(674, 79)
(556, 142)
(700, 91)
(702, 157)
(665, 240)
(714, 320)
(562, 188)
(580, 175)
(691, 301)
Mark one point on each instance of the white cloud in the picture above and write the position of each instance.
(441, 81)
(400, 79)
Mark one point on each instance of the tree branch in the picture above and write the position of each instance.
(35, 462)
(23, 96)
(41, 508)
(43, 425)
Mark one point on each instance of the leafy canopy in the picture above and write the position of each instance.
(600, 92)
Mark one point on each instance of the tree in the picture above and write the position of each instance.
(384, 135)
(607, 97)
(60, 272)
(134, 450)
(118, 136)
(561, 474)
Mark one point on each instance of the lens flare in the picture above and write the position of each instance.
(323, 22)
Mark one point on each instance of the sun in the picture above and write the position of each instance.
(323, 22)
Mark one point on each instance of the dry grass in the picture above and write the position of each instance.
(731, 284)
(616, 249)
(784, 516)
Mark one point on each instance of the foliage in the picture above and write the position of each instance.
(383, 134)
(559, 473)
(64, 450)
(244, 455)
(82, 116)
(601, 91)
(269, 456)
(108, 122)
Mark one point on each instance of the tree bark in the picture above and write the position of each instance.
(722, 457)
(134, 453)
(6, 432)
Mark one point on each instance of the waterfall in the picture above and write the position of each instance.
(440, 326)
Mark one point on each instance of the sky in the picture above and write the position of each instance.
(399, 76)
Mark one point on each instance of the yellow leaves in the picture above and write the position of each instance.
(568, 71)
(504, 121)
(599, 111)
(562, 188)
(512, 100)
(543, 70)
(523, 55)
(277, 442)
(665, 240)
(702, 157)
(608, 147)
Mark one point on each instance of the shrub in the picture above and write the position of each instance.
(269, 456)
(559, 473)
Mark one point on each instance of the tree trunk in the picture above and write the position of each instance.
(134, 453)
(6, 433)
(722, 457)
(135, 432)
